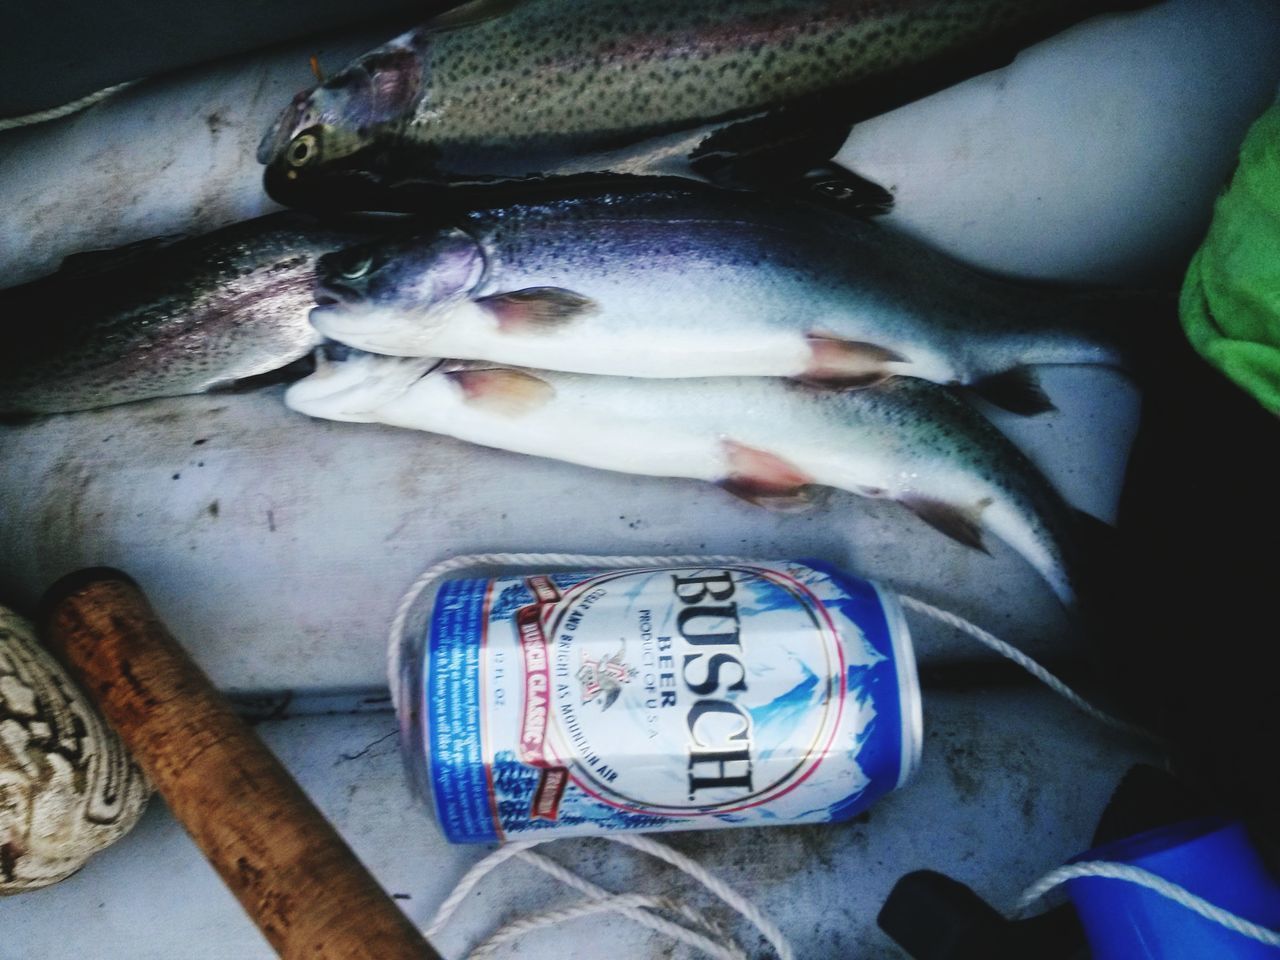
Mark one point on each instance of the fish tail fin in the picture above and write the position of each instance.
(1064, 545)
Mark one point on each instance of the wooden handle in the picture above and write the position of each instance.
(295, 876)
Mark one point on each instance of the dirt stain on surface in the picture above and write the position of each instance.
(64, 498)
(962, 763)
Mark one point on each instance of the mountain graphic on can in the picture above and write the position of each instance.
(670, 698)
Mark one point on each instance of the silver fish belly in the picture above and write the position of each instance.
(769, 441)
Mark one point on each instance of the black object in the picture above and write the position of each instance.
(1147, 798)
(933, 917)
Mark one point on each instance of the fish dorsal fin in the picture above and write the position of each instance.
(960, 523)
(472, 12)
(789, 150)
(837, 362)
(537, 309)
(501, 390)
(1017, 390)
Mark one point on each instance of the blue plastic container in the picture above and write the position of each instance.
(1212, 858)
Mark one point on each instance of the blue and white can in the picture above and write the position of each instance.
(658, 699)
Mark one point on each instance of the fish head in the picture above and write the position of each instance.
(344, 128)
(350, 385)
(395, 296)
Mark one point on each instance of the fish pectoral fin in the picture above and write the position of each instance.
(961, 524)
(1017, 390)
(765, 479)
(790, 501)
(536, 309)
(511, 393)
(475, 11)
(837, 362)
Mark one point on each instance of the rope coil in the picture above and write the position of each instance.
(708, 937)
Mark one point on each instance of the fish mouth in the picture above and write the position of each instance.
(366, 331)
(350, 385)
(329, 293)
(382, 176)
(324, 190)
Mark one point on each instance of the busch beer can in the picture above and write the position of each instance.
(658, 699)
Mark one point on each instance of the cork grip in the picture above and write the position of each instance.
(292, 873)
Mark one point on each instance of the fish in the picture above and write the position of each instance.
(746, 94)
(164, 317)
(668, 280)
(775, 443)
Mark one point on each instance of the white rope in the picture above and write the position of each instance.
(699, 920)
(720, 948)
(521, 849)
(470, 879)
(57, 113)
(613, 562)
(625, 901)
(1145, 878)
(1011, 652)
(635, 906)
(713, 883)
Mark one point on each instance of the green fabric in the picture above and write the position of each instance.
(1230, 302)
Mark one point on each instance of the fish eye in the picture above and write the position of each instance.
(356, 267)
(302, 150)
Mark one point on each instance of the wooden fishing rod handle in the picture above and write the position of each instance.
(290, 869)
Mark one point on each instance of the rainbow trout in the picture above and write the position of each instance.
(160, 319)
(686, 281)
(768, 441)
(743, 93)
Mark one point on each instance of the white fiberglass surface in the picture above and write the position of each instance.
(276, 547)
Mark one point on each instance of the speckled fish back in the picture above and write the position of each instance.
(605, 68)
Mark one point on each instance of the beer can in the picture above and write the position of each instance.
(674, 698)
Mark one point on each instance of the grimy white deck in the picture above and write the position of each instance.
(276, 547)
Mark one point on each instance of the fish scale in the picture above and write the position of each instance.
(813, 47)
